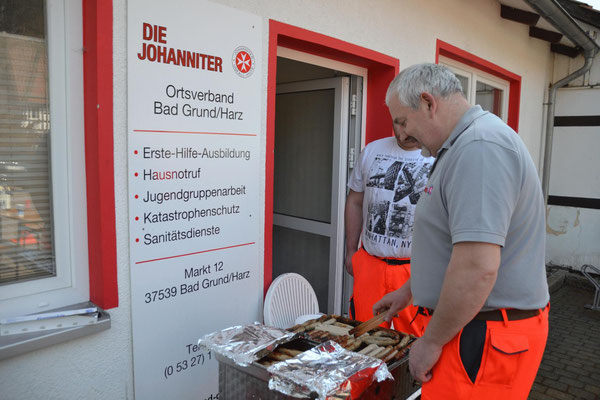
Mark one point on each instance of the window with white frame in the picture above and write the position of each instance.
(43, 230)
(486, 90)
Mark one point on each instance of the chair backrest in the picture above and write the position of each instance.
(289, 296)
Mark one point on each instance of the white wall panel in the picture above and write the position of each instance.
(572, 233)
(580, 101)
(574, 171)
(572, 236)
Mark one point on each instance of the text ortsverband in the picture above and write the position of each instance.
(209, 104)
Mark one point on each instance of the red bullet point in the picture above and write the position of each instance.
(137, 218)
(137, 240)
(136, 174)
(135, 152)
(136, 196)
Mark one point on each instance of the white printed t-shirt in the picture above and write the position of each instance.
(392, 180)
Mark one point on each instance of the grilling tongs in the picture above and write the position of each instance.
(368, 325)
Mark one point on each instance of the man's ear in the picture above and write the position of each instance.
(429, 102)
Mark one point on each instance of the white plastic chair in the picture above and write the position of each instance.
(289, 296)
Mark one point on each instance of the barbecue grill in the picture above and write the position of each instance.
(251, 382)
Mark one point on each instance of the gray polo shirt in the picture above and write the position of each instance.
(483, 188)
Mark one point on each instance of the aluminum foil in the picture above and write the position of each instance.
(325, 370)
(245, 344)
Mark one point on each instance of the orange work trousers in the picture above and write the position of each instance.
(490, 360)
(373, 279)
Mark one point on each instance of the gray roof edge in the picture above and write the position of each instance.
(556, 15)
(582, 12)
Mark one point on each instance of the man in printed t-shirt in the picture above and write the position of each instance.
(384, 187)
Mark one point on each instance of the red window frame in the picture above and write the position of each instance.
(514, 98)
(381, 70)
(99, 158)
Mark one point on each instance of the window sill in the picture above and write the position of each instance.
(13, 345)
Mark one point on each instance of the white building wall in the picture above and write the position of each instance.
(97, 366)
(100, 366)
(408, 31)
(573, 233)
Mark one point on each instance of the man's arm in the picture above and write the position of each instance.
(353, 225)
(469, 279)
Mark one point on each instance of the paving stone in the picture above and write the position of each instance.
(550, 355)
(588, 360)
(582, 394)
(556, 364)
(573, 363)
(545, 367)
(588, 380)
(568, 374)
(570, 368)
(549, 375)
(593, 389)
(578, 370)
(539, 396)
(557, 394)
(571, 382)
(554, 384)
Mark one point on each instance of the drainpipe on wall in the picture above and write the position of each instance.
(552, 12)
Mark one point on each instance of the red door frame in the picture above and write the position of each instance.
(514, 97)
(99, 158)
(381, 70)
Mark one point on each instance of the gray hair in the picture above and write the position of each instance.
(409, 84)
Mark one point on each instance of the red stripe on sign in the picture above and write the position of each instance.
(197, 252)
(196, 133)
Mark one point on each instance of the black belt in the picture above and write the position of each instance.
(394, 261)
(390, 261)
(512, 314)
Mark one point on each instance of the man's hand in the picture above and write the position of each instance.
(422, 357)
(348, 263)
(394, 302)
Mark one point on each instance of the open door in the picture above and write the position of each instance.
(311, 142)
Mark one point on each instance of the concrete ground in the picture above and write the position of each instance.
(570, 368)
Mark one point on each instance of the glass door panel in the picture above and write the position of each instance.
(306, 254)
(304, 154)
(309, 184)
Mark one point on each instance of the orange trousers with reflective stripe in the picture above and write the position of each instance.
(512, 353)
(373, 279)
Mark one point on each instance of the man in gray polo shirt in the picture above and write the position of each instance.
(478, 245)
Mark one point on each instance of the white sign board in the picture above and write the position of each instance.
(194, 117)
